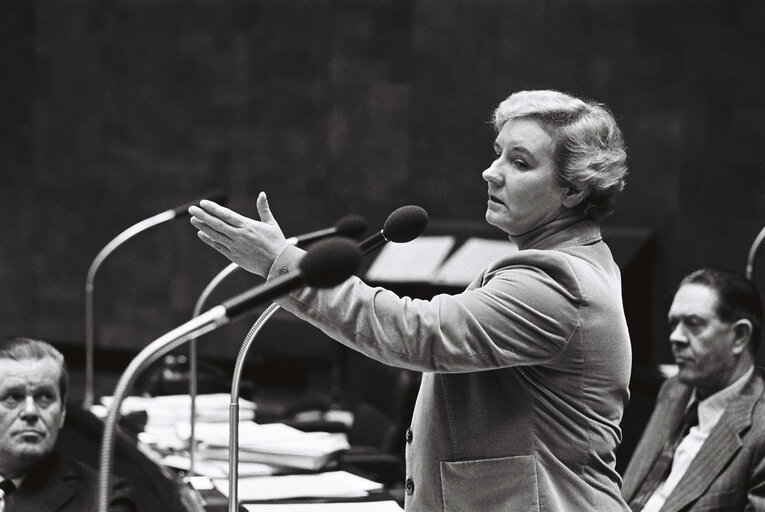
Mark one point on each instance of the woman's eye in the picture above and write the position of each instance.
(521, 164)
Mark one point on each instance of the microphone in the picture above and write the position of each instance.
(402, 225)
(327, 263)
(351, 226)
(145, 224)
(330, 263)
(217, 196)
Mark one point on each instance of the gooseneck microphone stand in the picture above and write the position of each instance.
(129, 233)
(327, 264)
(402, 225)
(202, 324)
(752, 253)
(194, 357)
(233, 415)
(349, 226)
(94, 266)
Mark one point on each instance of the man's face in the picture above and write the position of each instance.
(702, 344)
(31, 412)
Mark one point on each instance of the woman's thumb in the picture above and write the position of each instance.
(264, 210)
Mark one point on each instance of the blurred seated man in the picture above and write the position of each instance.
(33, 387)
(704, 445)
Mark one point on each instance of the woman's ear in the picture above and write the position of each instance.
(573, 197)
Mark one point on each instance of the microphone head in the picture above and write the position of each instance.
(329, 262)
(217, 196)
(405, 224)
(351, 226)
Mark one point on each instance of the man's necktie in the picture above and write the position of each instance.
(660, 470)
(6, 487)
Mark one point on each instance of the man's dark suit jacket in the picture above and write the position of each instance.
(59, 484)
(728, 473)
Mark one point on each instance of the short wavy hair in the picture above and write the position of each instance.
(20, 348)
(590, 153)
(737, 297)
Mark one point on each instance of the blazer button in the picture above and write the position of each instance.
(409, 486)
(284, 270)
(409, 435)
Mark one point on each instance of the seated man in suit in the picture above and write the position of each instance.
(33, 477)
(704, 445)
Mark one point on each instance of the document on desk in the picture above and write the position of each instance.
(170, 409)
(271, 443)
(330, 484)
(371, 506)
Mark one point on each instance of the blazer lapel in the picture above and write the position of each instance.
(665, 419)
(46, 490)
(722, 444)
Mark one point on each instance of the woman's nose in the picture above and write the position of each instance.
(491, 174)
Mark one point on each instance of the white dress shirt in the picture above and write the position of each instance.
(16, 482)
(710, 411)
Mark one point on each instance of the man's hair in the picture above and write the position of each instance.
(20, 348)
(737, 297)
(590, 154)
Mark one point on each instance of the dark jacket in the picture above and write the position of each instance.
(59, 484)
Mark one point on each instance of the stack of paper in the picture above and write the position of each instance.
(219, 468)
(171, 409)
(273, 443)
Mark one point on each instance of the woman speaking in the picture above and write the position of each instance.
(525, 373)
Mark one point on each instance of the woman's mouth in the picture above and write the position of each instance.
(494, 199)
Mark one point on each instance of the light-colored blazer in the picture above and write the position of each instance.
(728, 473)
(525, 374)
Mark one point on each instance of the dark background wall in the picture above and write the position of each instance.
(114, 111)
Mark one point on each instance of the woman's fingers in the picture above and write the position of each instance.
(252, 244)
(216, 235)
(215, 245)
(214, 210)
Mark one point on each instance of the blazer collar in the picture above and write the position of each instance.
(723, 442)
(567, 231)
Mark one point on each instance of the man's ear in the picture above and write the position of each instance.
(573, 197)
(63, 416)
(742, 331)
